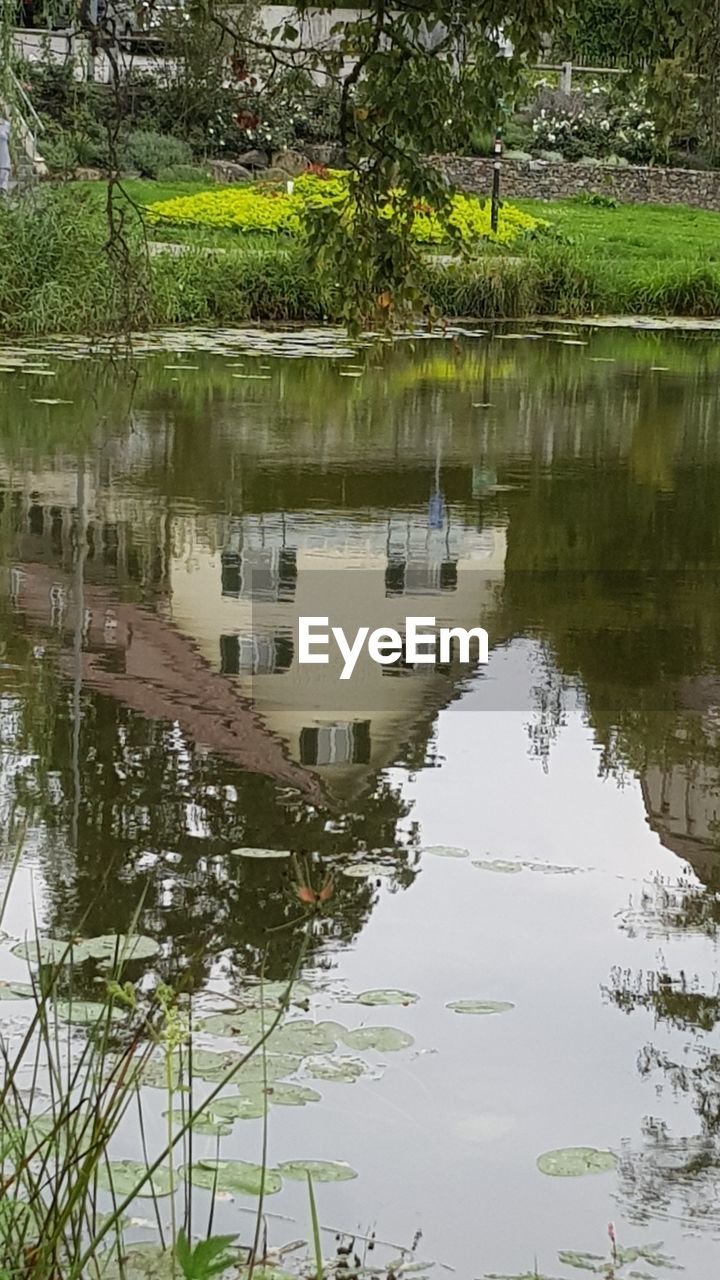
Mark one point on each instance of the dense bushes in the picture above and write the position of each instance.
(150, 152)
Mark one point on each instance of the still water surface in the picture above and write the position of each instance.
(158, 536)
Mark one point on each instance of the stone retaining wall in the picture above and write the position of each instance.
(536, 179)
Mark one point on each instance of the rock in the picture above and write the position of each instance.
(293, 163)
(272, 175)
(228, 171)
(88, 175)
(253, 159)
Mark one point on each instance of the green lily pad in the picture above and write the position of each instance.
(86, 1013)
(584, 1261)
(480, 1006)
(319, 1170)
(236, 1177)
(288, 1094)
(203, 1124)
(445, 851)
(575, 1162)
(251, 1104)
(362, 870)
(16, 991)
(126, 946)
(305, 1037)
(244, 1025)
(46, 951)
(384, 1039)
(341, 1069)
(498, 865)
(123, 1176)
(260, 853)
(146, 1261)
(389, 995)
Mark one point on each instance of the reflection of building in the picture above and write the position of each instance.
(238, 586)
(682, 798)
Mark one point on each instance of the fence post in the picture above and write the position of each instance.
(495, 203)
(566, 78)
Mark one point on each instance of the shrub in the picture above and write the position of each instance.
(264, 209)
(184, 173)
(150, 152)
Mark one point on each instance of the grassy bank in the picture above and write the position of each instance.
(56, 273)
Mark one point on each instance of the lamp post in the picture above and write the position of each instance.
(495, 204)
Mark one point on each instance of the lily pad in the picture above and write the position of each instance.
(86, 1012)
(203, 1124)
(248, 1105)
(305, 1037)
(499, 865)
(361, 870)
(123, 1176)
(319, 1170)
(16, 991)
(445, 851)
(387, 995)
(125, 946)
(289, 1094)
(480, 1006)
(343, 1069)
(45, 951)
(384, 1039)
(237, 1177)
(245, 1025)
(576, 1162)
(260, 853)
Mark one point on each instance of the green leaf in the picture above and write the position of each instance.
(388, 995)
(575, 1162)
(236, 1177)
(260, 854)
(383, 1039)
(445, 851)
(124, 1176)
(480, 1006)
(319, 1170)
(207, 1258)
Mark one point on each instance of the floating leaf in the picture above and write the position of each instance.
(341, 1069)
(123, 1176)
(245, 1025)
(584, 1261)
(575, 1162)
(237, 1177)
(319, 1170)
(387, 995)
(142, 1262)
(125, 946)
(445, 851)
(305, 1037)
(359, 870)
(249, 1105)
(16, 991)
(287, 1094)
(499, 865)
(203, 1123)
(384, 1039)
(46, 951)
(86, 1012)
(261, 853)
(480, 1006)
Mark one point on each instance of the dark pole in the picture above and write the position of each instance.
(495, 207)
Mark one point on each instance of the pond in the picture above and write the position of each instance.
(519, 862)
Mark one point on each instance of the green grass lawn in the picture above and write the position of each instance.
(635, 233)
(637, 238)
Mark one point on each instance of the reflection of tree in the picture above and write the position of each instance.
(156, 817)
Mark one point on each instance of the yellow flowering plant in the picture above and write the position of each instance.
(269, 209)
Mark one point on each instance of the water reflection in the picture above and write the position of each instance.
(157, 549)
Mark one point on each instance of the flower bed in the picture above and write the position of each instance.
(265, 208)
